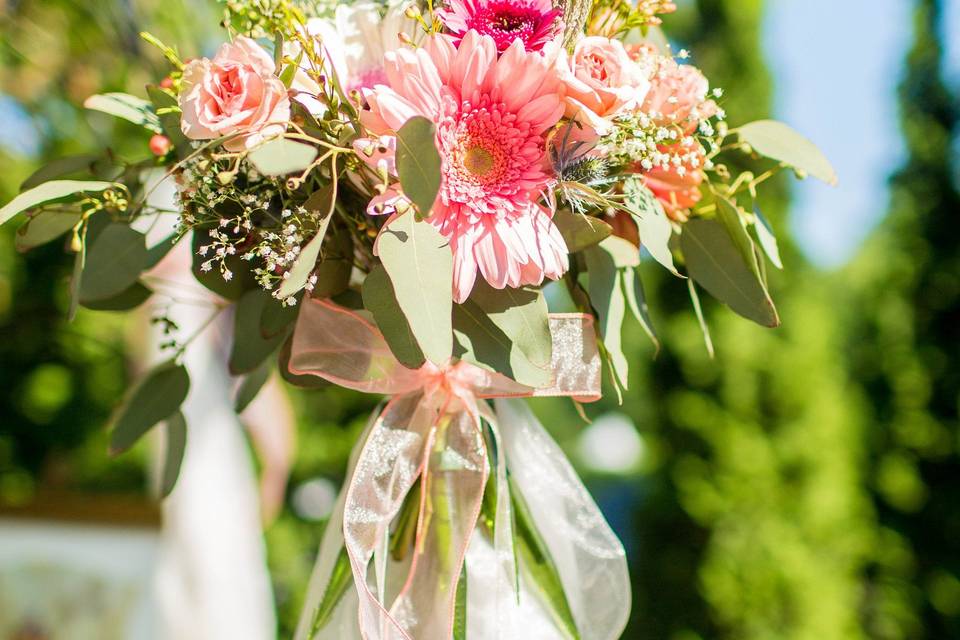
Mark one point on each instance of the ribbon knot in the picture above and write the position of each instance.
(432, 431)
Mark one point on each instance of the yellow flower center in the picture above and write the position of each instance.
(478, 161)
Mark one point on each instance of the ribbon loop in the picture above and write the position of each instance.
(432, 430)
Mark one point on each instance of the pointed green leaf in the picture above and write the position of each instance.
(538, 564)
(637, 302)
(460, 607)
(114, 262)
(652, 222)
(279, 157)
(698, 310)
(45, 227)
(605, 288)
(173, 458)
(778, 141)
(580, 231)
(418, 162)
(766, 237)
(714, 261)
(420, 265)
(50, 192)
(250, 348)
(380, 300)
(341, 579)
(320, 203)
(728, 214)
(251, 385)
(156, 398)
(122, 105)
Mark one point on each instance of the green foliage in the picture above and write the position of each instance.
(420, 266)
(418, 162)
(780, 142)
(279, 157)
(155, 399)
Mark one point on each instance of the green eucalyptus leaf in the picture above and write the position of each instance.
(65, 166)
(250, 348)
(580, 231)
(380, 300)
(321, 203)
(301, 381)
(766, 237)
(605, 287)
(333, 272)
(45, 227)
(341, 579)
(279, 157)
(130, 298)
(420, 265)
(48, 192)
(652, 222)
(522, 315)
(155, 399)
(114, 262)
(251, 385)
(728, 214)
(159, 251)
(483, 343)
(778, 141)
(122, 105)
(418, 162)
(277, 318)
(714, 261)
(637, 303)
(173, 457)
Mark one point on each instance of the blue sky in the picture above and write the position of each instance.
(837, 65)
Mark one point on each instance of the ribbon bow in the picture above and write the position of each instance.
(432, 430)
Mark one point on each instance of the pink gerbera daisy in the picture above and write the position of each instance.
(533, 22)
(491, 116)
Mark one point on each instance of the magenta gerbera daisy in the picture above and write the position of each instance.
(491, 115)
(533, 22)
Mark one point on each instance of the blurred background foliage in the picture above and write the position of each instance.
(802, 484)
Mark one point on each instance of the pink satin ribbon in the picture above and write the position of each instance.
(431, 429)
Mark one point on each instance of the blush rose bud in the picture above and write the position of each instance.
(160, 145)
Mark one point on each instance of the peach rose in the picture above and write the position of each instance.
(236, 92)
(602, 81)
(678, 95)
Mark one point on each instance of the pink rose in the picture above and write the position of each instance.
(236, 92)
(678, 95)
(602, 81)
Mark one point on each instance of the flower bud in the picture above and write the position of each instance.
(160, 145)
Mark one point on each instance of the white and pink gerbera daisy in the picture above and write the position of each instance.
(533, 22)
(491, 115)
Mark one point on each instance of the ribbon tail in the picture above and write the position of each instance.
(588, 556)
(453, 484)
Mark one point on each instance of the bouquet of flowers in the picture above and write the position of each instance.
(384, 194)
